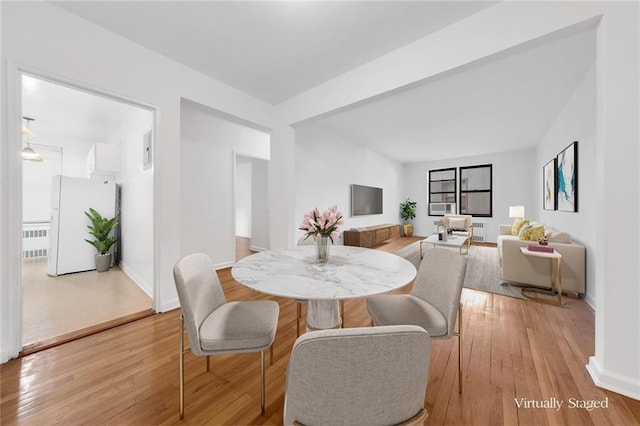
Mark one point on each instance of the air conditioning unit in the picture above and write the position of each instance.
(440, 209)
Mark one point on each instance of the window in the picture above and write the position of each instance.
(476, 186)
(442, 190)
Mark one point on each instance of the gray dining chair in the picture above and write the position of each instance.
(215, 326)
(358, 376)
(433, 302)
(302, 241)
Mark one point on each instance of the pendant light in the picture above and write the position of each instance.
(29, 153)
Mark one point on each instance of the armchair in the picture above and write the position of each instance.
(461, 224)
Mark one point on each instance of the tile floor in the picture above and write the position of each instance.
(55, 306)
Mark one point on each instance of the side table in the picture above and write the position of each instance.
(556, 277)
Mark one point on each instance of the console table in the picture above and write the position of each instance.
(371, 235)
(556, 277)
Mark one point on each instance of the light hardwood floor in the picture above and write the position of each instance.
(512, 349)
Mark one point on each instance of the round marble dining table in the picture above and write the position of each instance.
(351, 272)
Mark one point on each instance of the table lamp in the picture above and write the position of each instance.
(516, 212)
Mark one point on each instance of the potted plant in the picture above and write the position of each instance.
(100, 228)
(407, 213)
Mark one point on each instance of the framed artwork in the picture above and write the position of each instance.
(549, 186)
(567, 178)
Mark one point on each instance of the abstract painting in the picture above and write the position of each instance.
(549, 185)
(567, 178)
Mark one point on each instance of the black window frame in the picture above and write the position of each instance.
(476, 191)
(454, 192)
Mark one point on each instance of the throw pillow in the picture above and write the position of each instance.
(457, 224)
(523, 228)
(534, 233)
(517, 224)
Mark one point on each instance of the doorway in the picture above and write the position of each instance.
(84, 136)
(251, 202)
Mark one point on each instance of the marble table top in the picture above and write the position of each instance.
(350, 272)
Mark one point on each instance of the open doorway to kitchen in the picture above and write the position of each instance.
(83, 150)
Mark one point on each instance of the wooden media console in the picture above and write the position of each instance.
(371, 235)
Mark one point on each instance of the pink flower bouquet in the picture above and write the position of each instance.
(322, 225)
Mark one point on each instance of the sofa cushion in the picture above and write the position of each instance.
(555, 236)
(533, 233)
(517, 224)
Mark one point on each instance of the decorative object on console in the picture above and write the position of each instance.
(549, 186)
(567, 189)
(407, 213)
(323, 227)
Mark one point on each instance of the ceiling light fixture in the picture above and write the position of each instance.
(29, 153)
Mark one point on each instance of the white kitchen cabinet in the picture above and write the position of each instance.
(103, 159)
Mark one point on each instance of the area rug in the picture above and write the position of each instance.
(483, 269)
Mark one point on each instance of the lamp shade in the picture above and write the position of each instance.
(30, 155)
(516, 211)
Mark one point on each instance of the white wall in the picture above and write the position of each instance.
(208, 143)
(576, 122)
(243, 196)
(327, 165)
(260, 234)
(136, 190)
(64, 47)
(514, 182)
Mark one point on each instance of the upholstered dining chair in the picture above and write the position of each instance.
(302, 241)
(433, 302)
(358, 376)
(215, 326)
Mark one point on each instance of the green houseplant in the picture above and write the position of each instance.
(100, 228)
(407, 213)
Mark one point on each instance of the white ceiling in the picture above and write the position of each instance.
(61, 113)
(502, 104)
(273, 50)
(276, 50)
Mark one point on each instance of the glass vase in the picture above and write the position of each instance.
(322, 249)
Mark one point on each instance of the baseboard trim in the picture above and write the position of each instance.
(612, 381)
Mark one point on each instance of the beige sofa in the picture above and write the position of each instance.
(516, 267)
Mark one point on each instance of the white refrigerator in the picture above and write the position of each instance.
(70, 198)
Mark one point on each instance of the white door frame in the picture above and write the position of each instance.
(11, 185)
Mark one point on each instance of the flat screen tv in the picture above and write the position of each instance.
(365, 200)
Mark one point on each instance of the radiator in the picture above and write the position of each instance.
(478, 231)
(35, 239)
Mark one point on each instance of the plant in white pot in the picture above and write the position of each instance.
(407, 213)
(100, 228)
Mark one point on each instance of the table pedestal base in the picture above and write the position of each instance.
(323, 315)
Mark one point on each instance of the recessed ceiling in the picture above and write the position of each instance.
(499, 104)
(273, 50)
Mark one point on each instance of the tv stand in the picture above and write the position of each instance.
(371, 235)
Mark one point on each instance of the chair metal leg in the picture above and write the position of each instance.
(181, 409)
(262, 382)
(460, 348)
(299, 311)
(342, 313)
